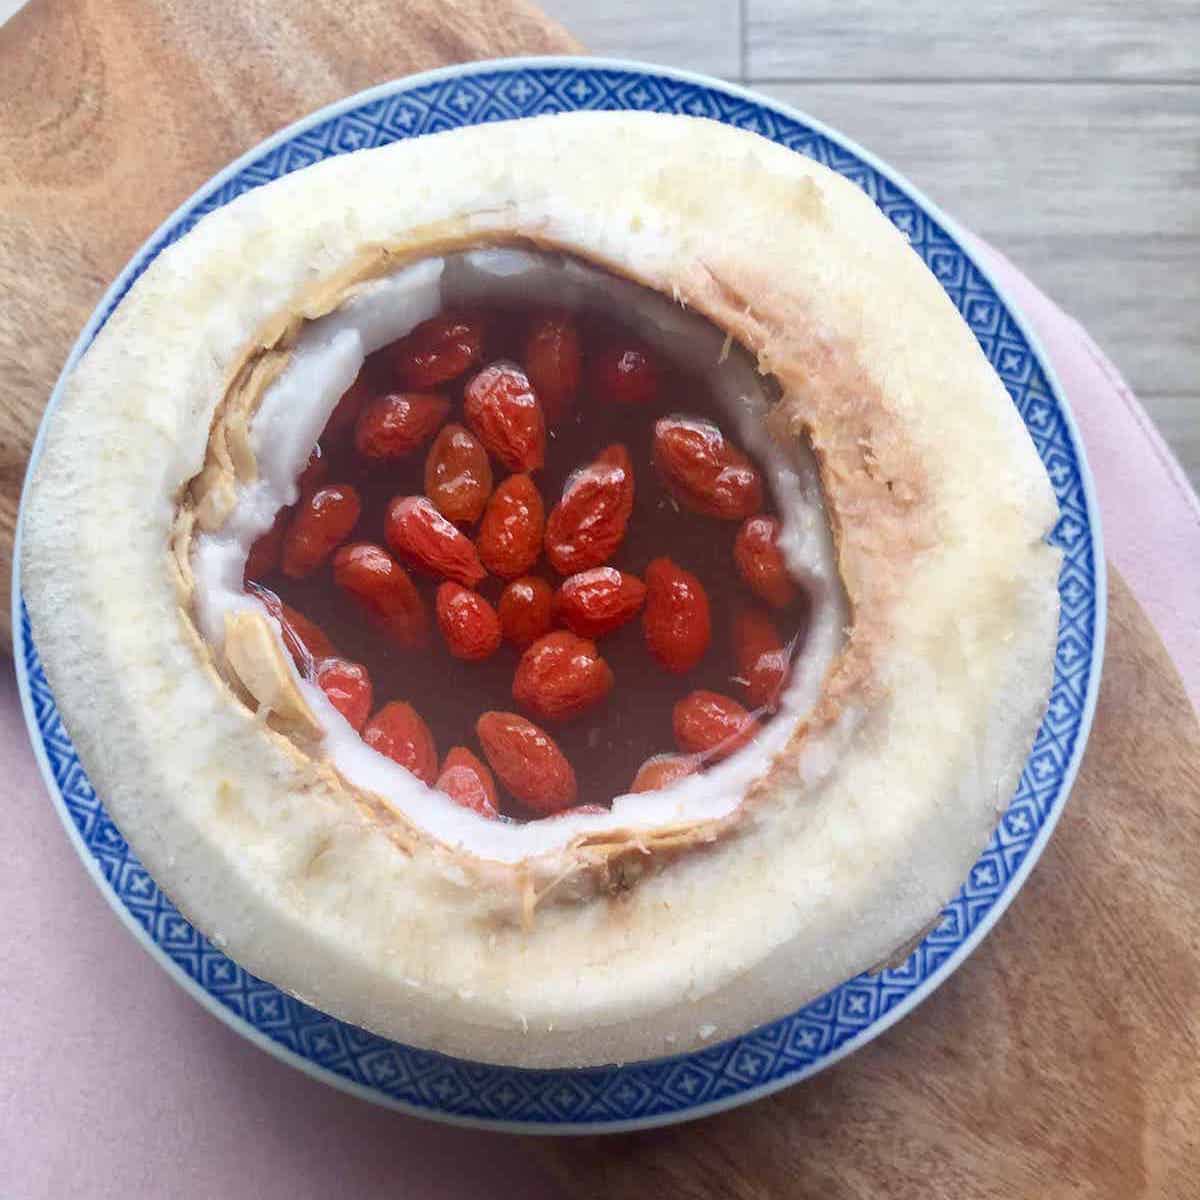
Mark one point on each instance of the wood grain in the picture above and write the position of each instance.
(1059, 1061)
(113, 111)
(930, 39)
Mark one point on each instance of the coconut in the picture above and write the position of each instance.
(914, 510)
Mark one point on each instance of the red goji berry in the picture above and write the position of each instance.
(588, 524)
(676, 620)
(468, 623)
(528, 761)
(704, 471)
(525, 610)
(398, 731)
(382, 588)
(458, 476)
(554, 362)
(561, 676)
(503, 412)
(348, 687)
(468, 782)
(438, 350)
(320, 524)
(760, 562)
(422, 537)
(510, 535)
(711, 724)
(593, 603)
(394, 425)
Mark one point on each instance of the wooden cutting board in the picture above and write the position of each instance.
(1062, 1059)
(112, 112)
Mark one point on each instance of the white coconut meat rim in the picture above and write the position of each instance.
(859, 830)
(326, 358)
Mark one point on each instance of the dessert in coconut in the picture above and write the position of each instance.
(554, 593)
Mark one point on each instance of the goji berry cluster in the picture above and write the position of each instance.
(522, 482)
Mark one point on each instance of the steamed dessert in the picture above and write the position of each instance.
(554, 593)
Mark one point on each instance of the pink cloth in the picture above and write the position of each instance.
(1150, 515)
(114, 1082)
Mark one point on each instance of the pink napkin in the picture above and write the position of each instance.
(1149, 513)
(114, 1082)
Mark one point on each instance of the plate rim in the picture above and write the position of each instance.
(964, 243)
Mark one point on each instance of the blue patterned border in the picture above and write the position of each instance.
(670, 1089)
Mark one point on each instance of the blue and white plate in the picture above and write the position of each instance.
(827, 1029)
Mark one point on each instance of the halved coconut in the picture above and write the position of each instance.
(695, 913)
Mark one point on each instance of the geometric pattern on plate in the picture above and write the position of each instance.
(741, 1069)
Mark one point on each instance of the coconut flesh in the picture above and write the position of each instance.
(327, 357)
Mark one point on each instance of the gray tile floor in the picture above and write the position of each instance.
(1066, 133)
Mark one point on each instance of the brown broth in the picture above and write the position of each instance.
(607, 743)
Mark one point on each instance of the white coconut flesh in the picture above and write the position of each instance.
(326, 359)
(696, 913)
